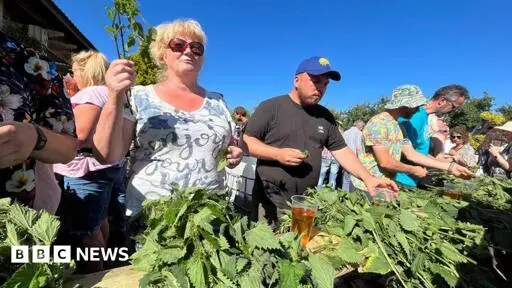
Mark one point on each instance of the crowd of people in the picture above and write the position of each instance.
(65, 143)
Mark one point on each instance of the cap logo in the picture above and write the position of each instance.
(323, 61)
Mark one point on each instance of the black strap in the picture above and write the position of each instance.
(85, 152)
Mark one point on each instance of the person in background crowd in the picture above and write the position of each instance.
(443, 136)
(445, 100)
(462, 153)
(88, 183)
(354, 139)
(329, 164)
(497, 161)
(288, 133)
(240, 115)
(180, 127)
(36, 123)
(385, 142)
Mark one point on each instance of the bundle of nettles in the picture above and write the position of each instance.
(20, 225)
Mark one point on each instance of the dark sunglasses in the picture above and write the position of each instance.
(456, 137)
(180, 45)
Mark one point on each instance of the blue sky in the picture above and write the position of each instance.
(254, 47)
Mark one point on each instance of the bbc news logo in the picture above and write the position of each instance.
(62, 254)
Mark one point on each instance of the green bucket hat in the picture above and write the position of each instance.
(406, 96)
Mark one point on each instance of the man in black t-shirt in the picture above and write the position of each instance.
(283, 128)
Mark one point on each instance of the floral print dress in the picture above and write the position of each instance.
(30, 91)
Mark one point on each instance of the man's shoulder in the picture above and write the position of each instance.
(274, 101)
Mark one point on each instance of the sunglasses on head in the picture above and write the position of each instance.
(180, 45)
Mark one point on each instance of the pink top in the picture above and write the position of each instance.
(47, 189)
(81, 165)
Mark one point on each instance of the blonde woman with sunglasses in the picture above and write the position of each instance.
(179, 127)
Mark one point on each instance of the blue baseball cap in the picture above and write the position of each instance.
(318, 66)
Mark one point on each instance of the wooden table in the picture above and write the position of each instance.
(123, 277)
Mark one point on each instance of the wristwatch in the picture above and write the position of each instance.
(41, 139)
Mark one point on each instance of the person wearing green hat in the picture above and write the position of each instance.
(385, 143)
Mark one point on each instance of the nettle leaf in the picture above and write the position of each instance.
(12, 235)
(228, 264)
(253, 278)
(240, 264)
(261, 236)
(46, 228)
(196, 272)
(349, 254)
(370, 250)
(22, 217)
(328, 195)
(322, 272)
(225, 281)
(171, 255)
(349, 223)
(150, 278)
(203, 219)
(377, 264)
(409, 221)
(449, 252)
(222, 160)
(290, 273)
(223, 243)
(400, 237)
(145, 258)
(180, 274)
(170, 279)
(26, 276)
(368, 222)
(291, 243)
(418, 263)
(446, 273)
(336, 229)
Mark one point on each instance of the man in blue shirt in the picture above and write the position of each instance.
(445, 100)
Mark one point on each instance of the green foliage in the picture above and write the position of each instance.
(196, 237)
(413, 240)
(147, 71)
(20, 225)
(363, 112)
(221, 158)
(128, 33)
(506, 110)
(469, 114)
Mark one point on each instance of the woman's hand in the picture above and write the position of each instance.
(495, 151)
(17, 140)
(120, 77)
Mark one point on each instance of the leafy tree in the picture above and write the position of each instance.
(506, 110)
(128, 34)
(363, 112)
(469, 114)
(147, 71)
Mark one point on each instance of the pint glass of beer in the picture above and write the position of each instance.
(303, 214)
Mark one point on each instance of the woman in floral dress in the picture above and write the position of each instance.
(36, 120)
